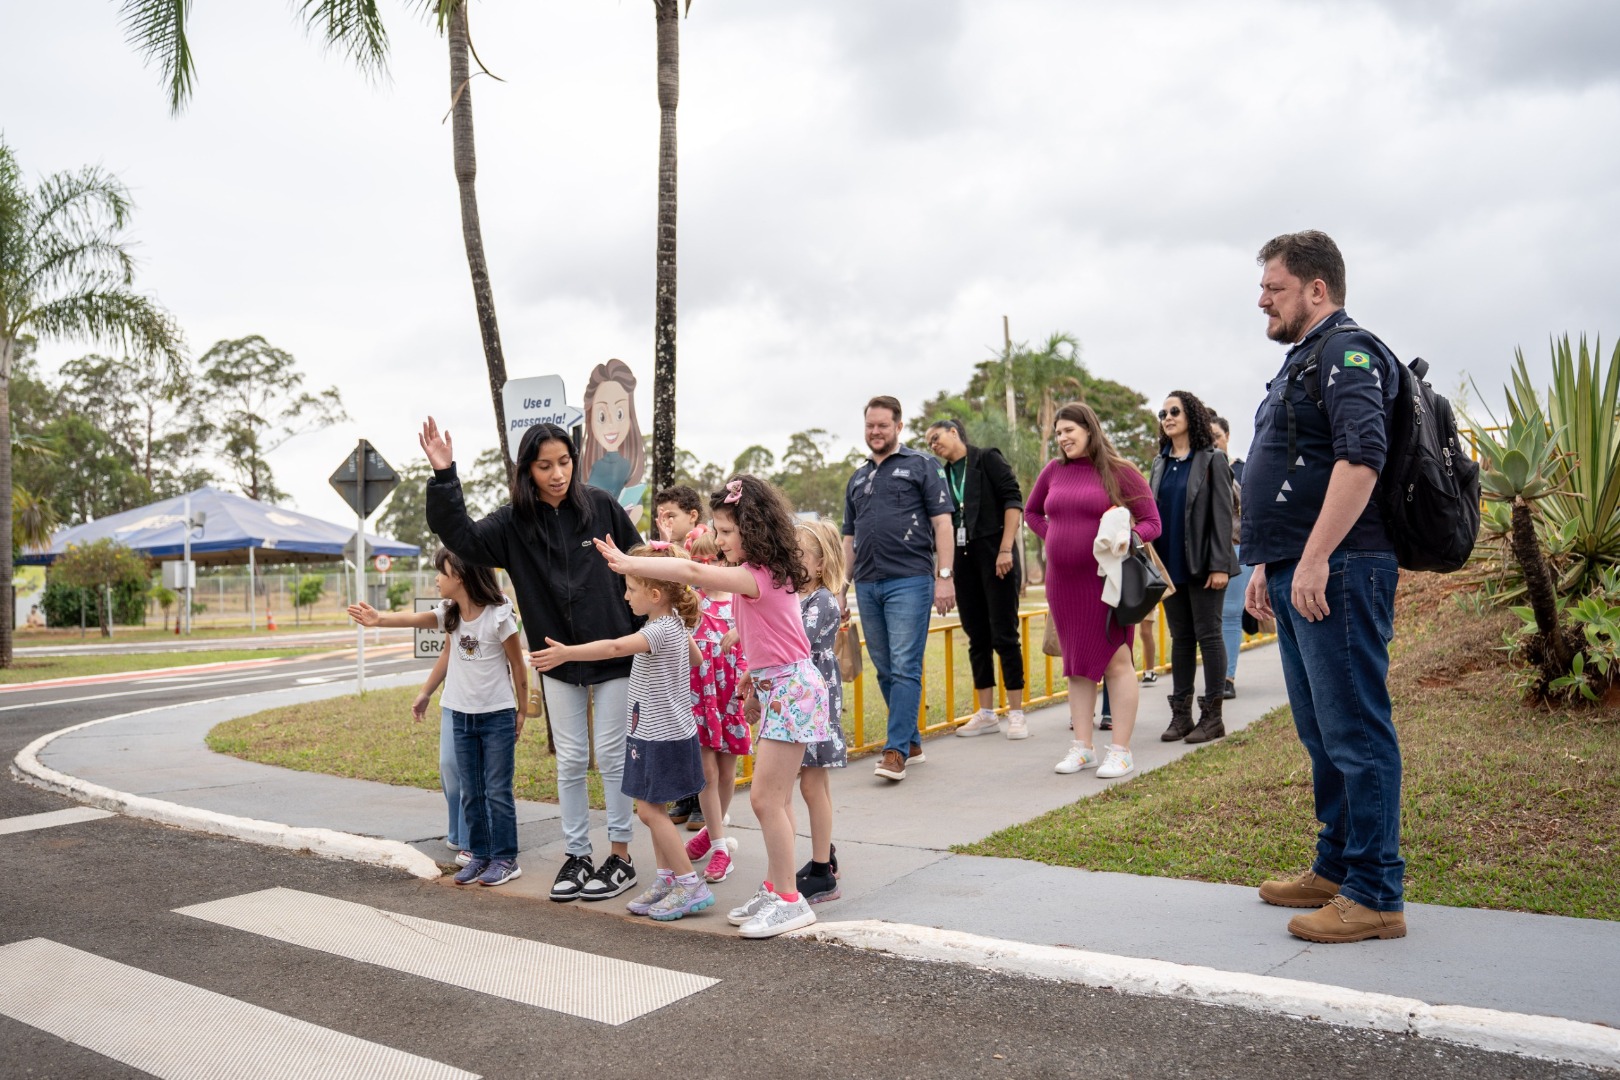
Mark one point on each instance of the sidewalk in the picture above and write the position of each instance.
(893, 846)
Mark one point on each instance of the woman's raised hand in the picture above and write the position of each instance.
(617, 560)
(436, 445)
(364, 614)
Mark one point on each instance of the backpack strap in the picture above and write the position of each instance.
(1308, 369)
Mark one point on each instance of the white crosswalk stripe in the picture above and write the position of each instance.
(135, 1017)
(563, 980)
(51, 818)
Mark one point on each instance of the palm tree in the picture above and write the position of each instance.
(157, 30)
(668, 13)
(65, 273)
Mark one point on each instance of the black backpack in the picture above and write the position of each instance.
(1429, 489)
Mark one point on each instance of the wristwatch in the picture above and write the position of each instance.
(944, 573)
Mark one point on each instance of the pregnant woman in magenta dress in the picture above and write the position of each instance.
(1068, 501)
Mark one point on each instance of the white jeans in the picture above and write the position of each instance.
(565, 704)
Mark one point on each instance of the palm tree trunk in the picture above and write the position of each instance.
(1539, 589)
(8, 609)
(472, 236)
(669, 92)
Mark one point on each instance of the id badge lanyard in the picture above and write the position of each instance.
(957, 492)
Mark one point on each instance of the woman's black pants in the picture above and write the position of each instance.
(988, 606)
(1193, 616)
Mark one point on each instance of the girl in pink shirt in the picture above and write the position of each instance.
(756, 532)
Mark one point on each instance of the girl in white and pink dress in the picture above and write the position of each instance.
(754, 528)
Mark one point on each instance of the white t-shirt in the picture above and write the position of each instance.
(660, 697)
(478, 679)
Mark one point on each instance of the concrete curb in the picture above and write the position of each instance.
(1546, 1037)
(328, 843)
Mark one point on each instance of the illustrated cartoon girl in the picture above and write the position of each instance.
(613, 458)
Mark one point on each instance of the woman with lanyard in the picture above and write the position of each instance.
(989, 507)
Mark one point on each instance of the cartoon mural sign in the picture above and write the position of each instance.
(613, 455)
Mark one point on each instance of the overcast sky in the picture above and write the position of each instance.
(866, 187)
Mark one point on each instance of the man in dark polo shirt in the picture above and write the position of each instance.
(899, 545)
(1324, 567)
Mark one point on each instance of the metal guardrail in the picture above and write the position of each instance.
(1052, 685)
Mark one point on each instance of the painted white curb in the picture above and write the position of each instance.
(326, 842)
(1545, 1037)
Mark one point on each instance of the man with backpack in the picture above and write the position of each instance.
(1325, 568)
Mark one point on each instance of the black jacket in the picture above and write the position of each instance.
(989, 488)
(564, 588)
(1207, 529)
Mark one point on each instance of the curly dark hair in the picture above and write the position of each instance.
(1200, 435)
(765, 522)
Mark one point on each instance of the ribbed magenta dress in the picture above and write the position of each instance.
(1064, 509)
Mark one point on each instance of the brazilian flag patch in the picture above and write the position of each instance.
(1356, 359)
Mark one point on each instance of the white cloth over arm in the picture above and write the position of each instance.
(1113, 541)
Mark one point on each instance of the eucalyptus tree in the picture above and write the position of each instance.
(157, 29)
(65, 274)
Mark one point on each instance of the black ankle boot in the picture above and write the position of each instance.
(1210, 725)
(1181, 721)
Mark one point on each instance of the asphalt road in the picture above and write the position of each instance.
(786, 1008)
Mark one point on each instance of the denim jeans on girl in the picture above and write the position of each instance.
(485, 745)
(1337, 670)
(450, 780)
(565, 704)
(894, 619)
(1232, 617)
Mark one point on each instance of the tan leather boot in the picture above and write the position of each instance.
(1308, 890)
(1343, 920)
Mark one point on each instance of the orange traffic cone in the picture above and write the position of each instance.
(270, 620)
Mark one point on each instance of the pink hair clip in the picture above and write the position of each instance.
(698, 530)
(658, 545)
(733, 491)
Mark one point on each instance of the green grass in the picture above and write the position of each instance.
(34, 668)
(60, 637)
(373, 737)
(1503, 805)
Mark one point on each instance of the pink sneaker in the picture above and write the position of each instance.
(720, 865)
(699, 847)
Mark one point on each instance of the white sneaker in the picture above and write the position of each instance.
(778, 916)
(983, 723)
(1116, 762)
(1079, 757)
(1017, 726)
(740, 915)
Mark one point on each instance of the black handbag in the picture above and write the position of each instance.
(1141, 585)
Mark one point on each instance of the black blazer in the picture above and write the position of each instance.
(1208, 525)
(989, 488)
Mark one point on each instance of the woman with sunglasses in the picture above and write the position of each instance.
(1192, 485)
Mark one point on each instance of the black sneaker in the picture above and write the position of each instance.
(572, 878)
(613, 877)
(1229, 691)
(679, 811)
(816, 883)
(1106, 723)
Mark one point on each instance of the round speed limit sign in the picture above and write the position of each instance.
(382, 563)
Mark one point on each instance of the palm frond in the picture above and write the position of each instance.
(117, 316)
(157, 30)
(353, 28)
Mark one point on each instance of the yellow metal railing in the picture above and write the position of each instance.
(1052, 685)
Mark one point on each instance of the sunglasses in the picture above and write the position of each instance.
(1174, 410)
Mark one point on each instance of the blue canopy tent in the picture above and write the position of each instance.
(236, 529)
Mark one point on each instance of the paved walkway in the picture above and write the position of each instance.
(893, 845)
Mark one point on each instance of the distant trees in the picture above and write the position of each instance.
(101, 568)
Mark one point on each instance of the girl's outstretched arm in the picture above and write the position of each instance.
(725, 578)
(366, 615)
(556, 652)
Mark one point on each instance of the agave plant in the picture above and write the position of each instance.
(1520, 465)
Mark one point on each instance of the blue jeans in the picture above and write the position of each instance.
(450, 780)
(1232, 617)
(610, 720)
(1337, 671)
(485, 745)
(894, 616)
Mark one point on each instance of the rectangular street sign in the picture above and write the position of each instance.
(364, 479)
(429, 643)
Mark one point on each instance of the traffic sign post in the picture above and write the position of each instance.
(364, 480)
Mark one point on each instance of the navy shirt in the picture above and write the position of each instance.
(1172, 542)
(888, 508)
(1358, 387)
